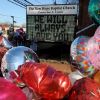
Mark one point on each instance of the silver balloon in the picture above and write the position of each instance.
(15, 57)
(6, 43)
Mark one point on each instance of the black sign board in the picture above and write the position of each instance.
(51, 23)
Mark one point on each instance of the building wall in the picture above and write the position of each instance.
(84, 19)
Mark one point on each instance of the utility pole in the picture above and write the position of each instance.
(55, 2)
(67, 2)
(13, 21)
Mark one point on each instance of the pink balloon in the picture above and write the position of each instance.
(97, 34)
(93, 52)
(9, 91)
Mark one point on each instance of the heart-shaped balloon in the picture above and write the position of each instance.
(44, 80)
(9, 91)
(85, 89)
(93, 52)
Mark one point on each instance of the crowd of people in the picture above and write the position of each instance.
(18, 37)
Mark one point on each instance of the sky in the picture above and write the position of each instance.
(8, 9)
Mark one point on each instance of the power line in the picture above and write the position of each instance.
(4, 15)
(20, 2)
(17, 4)
(28, 2)
(10, 16)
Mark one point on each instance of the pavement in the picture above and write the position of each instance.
(63, 66)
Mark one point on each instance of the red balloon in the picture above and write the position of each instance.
(3, 50)
(9, 91)
(1, 39)
(85, 89)
(44, 80)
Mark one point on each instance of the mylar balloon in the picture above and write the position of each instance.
(3, 50)
(14, 57)
(44, 80)
(96, 77)
(78, 55)
(93, 49)
(78, 46)
(85, 89)
(30, 94)
(4, 42)
(9, 91)
(93, 52)
(74, 76)
(97, 35)
(7, 43)
(94, 10)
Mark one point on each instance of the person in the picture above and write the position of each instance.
(16, 38)
(22, 37)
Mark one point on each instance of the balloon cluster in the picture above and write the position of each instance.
(26, 78)
(85, 52)
(34, 80)
(85, 56)
(21, 66)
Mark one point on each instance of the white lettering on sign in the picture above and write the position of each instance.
(51, 27)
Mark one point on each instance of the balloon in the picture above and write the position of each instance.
(3, 50)
(94, 10)
(44, 80)
(96, 77)
(4, 42)
(97, 35)
(30, 94)
(78, 46)
(9, 91)
(85, 89)
(14, 57)
(74, 76)
(93, 52)
(93, 49)
(79, 57)
(7, 43)
(1, 32)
